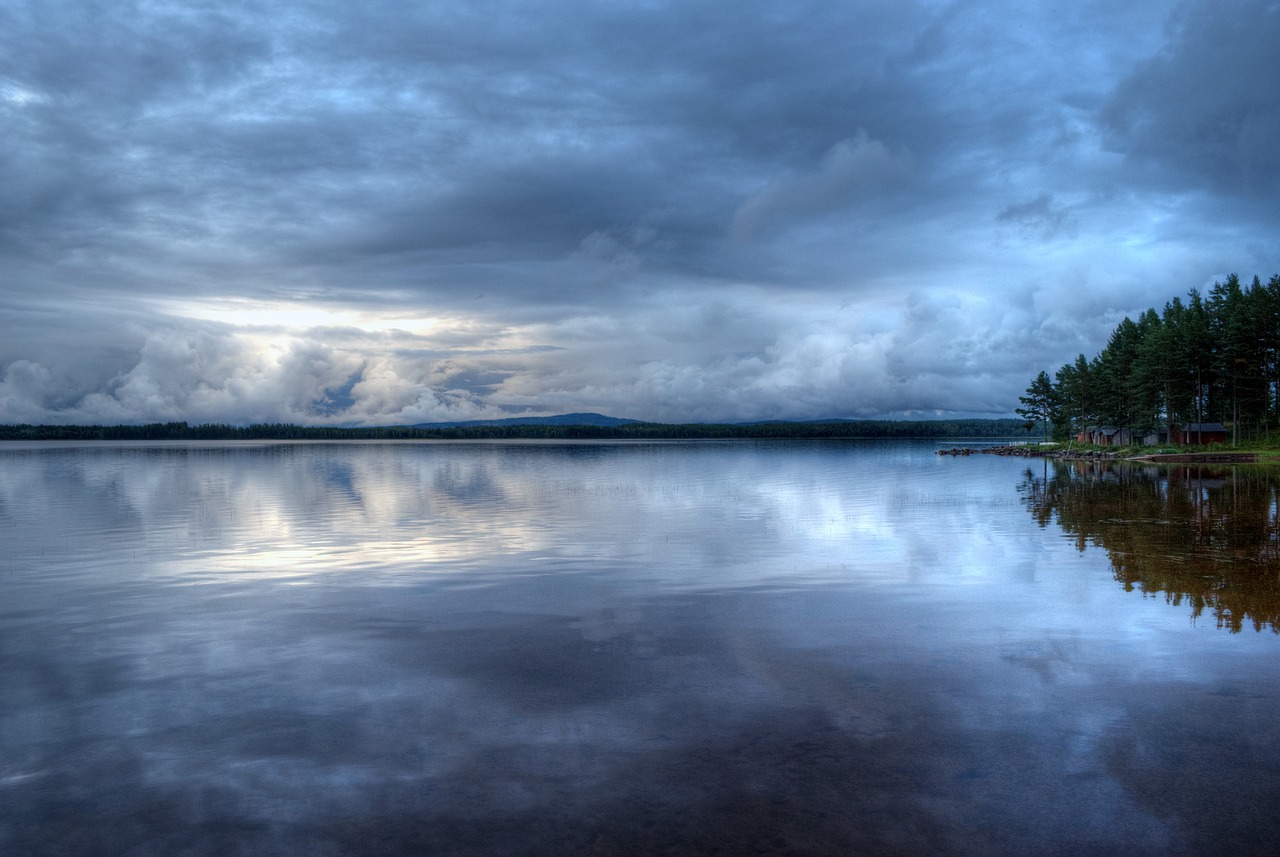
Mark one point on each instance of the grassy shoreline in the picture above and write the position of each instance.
(1266, 450)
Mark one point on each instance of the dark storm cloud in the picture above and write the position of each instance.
(518, 130)
(1040, 215)
(606, 120)
(1206, 107)
(532, 176)
(79, 80)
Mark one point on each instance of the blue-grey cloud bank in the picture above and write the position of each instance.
(375, 213)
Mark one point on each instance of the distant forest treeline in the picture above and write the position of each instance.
(1002, 428)
(1214, 359)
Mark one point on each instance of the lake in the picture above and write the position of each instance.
(633, 648)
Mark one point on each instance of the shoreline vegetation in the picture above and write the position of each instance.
(780, 430)
(1215, 454)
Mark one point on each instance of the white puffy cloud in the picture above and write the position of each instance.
(220, 374)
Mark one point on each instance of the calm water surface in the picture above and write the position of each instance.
(650, 648)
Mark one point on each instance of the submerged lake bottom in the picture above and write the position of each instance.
(632, 648)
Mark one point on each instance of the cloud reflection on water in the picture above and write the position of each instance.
(296, 510)
(630, 650)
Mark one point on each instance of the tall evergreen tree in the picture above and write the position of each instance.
(1271, 333)
(1038, 403)
(1072, 391)
(1177, 358)
(1117, 364)
(1147, 375)
(1198, 340)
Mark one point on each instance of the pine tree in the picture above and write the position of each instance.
(1038, 403)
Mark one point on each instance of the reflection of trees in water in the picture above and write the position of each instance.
(1210, 536)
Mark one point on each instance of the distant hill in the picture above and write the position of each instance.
(558, 420)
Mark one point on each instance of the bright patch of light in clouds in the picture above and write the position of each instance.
(18, 95)
(248, 313)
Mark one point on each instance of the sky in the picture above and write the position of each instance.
(375, 213)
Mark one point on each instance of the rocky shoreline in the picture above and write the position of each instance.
(1025, 451)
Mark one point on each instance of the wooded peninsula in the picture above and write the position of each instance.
(1205, 361)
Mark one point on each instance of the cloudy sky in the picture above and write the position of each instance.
(321, 211)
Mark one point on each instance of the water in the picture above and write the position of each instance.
(648, 648)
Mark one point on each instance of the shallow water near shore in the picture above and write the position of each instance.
(633, 648)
